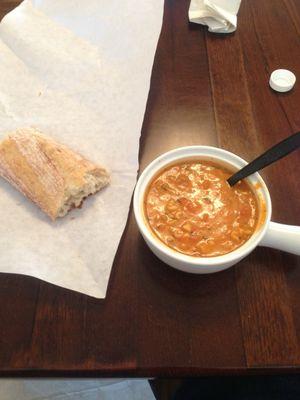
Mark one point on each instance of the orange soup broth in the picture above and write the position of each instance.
(191, 208)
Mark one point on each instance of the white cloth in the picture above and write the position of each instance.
(219, 15)
(75, 389)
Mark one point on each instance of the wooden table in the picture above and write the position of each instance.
(206, 89)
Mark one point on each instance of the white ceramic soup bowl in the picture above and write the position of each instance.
(267, 233)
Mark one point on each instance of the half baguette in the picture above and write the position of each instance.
(48, 173)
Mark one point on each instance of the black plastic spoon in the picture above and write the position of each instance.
(276, 152)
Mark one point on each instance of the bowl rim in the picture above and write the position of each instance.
(200, 152)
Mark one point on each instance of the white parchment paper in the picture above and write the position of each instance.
(80, 72)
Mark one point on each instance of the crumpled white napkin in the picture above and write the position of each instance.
(219, 15)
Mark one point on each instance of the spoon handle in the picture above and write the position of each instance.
(276, 152)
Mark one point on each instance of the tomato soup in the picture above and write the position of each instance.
(191, 208)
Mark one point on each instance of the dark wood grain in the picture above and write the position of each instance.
(248, 110)
(156, 321)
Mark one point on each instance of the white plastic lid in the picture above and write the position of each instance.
(282, 80)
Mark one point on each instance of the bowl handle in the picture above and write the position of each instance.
(282, 237)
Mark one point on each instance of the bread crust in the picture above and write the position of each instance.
(48, 173)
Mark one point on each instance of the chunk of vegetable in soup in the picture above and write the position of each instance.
(192, 209)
